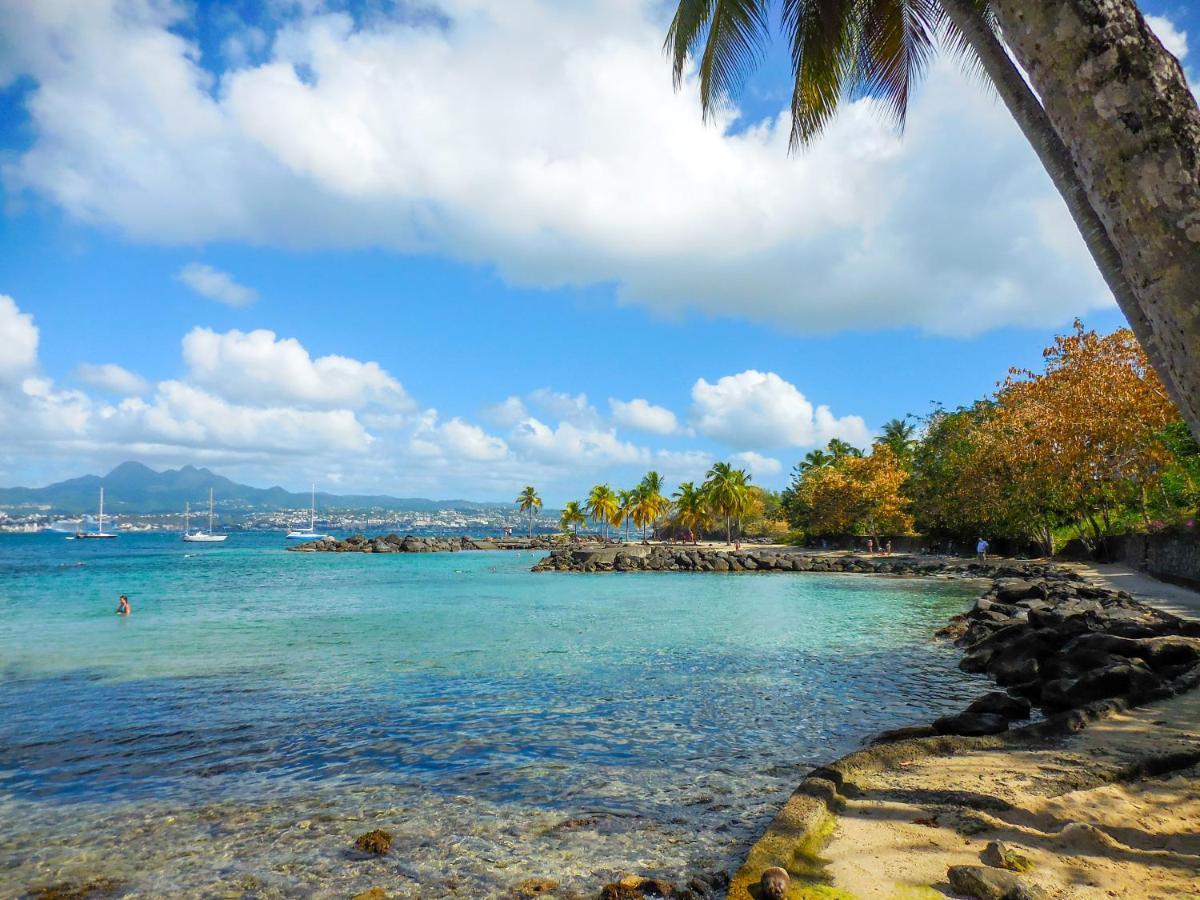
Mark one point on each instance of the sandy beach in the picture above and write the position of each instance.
(1101, 802)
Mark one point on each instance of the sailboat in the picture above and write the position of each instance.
(199, 536)
(309, 534)
(99, 532)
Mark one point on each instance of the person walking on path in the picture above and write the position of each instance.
(981, 550)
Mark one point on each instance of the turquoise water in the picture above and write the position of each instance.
(261, 708)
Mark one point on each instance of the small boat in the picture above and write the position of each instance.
(309, 534)
(99, 532)
(200, 536)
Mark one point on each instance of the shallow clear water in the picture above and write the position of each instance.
(261, 708)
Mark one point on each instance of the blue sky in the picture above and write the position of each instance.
(451, 236)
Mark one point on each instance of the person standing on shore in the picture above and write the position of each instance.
(981, 550)
(123, 607)
(870, 546)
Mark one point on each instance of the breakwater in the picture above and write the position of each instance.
(394, 543)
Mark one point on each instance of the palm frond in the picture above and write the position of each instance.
(820, 35)
(898, 41)
(734, 34)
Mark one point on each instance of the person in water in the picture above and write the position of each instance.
(123, 607)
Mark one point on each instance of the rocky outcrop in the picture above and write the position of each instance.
(393, 543)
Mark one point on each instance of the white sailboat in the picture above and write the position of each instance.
(309, 534)
(200, 536)
(99, 532)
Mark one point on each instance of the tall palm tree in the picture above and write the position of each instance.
(601, 505)
(691, 508)
(530, 503)
(1146, 250)
(897, 434)
(624, 511)
(650, 504)
(726, 491)
(572, 517)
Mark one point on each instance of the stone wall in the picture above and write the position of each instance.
(1170, 557)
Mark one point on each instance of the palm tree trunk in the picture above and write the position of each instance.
(1037, 128)
(1121, 105)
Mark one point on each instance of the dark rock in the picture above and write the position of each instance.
(903, 734)
(534, 887)
(985, 883)
(1001, 704)
(377, 842)
(1009, 590)
(1012, 669)
(635, 887)
(87, 890)
(1098, 684)
(971, 724)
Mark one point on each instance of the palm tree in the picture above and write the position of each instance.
(572, 517)
(1146, 250)
(691, 508)
(839, 450)
(814, 459)
(898, 435)
(726, 493)
(623, 512)
(529, 502)
(601, 505)
(649, 502)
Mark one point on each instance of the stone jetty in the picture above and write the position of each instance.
(393, 543)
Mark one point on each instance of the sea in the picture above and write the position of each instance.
(260, 709)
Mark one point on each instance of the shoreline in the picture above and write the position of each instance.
(939, 775)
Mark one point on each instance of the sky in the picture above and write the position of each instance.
(447, 249)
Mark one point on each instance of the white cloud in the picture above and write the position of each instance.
(455, 439)
(641, 415)
(111, 378)
(544, 138)
(569, 444)
(506, 413)
(760, 410)
(216, 285)
(760, 466)
(1172, 37)
(258, 367)
(573, 408)
(18, 342)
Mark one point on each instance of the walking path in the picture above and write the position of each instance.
(1172, 598)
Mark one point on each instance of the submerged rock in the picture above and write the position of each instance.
(378, 842)
(534, 887)
(94, 889)
(635, 887)
(971, 724)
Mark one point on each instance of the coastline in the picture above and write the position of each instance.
(916, 813)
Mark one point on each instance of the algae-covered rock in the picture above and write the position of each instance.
(378, 842)
(375, 893)
(1002, 856)
(635, 887)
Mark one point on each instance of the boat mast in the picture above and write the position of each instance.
(312, 516)
(187, 517)
(210, 510)
(100, 529)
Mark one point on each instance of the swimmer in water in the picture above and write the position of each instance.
(123, 607)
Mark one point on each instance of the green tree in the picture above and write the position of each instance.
(623, 514)
(1146, 251)
(572, 517)
(898, 435)
(649, 504)
(602, 505)
(530, 503)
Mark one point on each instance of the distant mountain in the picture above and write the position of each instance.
(134, 488)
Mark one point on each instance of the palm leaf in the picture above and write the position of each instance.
(734, 34)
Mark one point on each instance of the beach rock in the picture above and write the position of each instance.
(1009, 590)
(1001, 704)
(375, 893)
(1002, 856)
(971, 724)
(985, 883)
(534, 887)
(903, 734)
(1121, 680)
(377, 842)
(774, 883)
